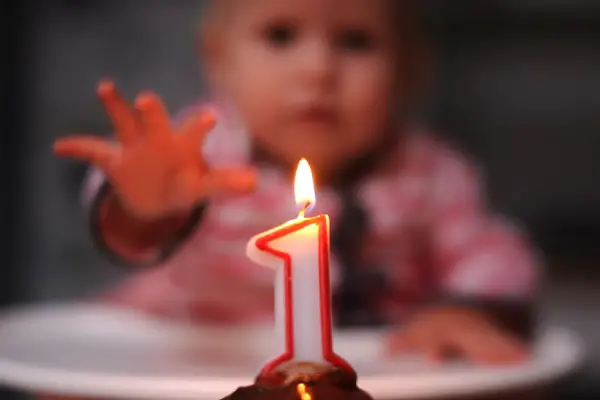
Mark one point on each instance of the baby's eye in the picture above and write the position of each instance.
(356, 40)
(280, 35)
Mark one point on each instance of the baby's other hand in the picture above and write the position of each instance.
(156, 169)
(438, 333)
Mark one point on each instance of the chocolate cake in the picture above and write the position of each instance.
(304, 382)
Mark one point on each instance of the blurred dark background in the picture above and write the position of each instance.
(518, 86)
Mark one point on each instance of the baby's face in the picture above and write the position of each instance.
(313, 78)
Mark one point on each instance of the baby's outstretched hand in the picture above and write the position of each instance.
(466, 333)
(155, 169)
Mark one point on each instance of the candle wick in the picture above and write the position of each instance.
(303, 210)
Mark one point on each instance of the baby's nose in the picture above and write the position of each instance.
(316, 61)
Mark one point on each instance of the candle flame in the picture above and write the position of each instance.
(304, 187)
(302, 392)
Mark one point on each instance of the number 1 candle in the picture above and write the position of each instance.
(298, 250)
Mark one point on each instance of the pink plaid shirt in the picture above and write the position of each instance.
(430, 230)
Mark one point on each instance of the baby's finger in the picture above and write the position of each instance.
(195, 128)
(505, 350)
(153, 114)
(399, 342)
(94, 150)
(488, 348)
(431, 344)
(120, 113)
(194, 186)
(229, 181)
(436, 353)
(414, 340)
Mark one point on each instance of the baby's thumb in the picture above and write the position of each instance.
(229, 181)
(398, 343)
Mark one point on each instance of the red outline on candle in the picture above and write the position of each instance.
(263, 244)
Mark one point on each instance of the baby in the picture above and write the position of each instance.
(336, 82)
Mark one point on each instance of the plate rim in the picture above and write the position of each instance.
(384, 386)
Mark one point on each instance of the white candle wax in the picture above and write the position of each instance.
(299, 252)
(302, 247)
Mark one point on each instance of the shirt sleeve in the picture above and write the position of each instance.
(476, 254)
(160, 255)
(95, 189)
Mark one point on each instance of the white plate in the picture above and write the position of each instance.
(90, 350)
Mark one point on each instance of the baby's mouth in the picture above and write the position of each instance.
(317, 114)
